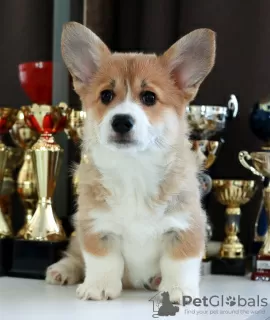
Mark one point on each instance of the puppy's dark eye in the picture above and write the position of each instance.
(106, 96)
(148, 98)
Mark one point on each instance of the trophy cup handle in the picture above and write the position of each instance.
(243, 157)
(233, 106)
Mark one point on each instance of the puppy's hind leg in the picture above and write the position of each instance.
(70, 269)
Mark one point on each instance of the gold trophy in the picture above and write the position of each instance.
(14, 160)
(46, 156)
(74, 128)
(232, 194)
(261, 167)
(207, 150)
(43, 238)
(207, 120)
(207, 123)
(7, 118)
(24, 138)
(74, 131)
(41, 241)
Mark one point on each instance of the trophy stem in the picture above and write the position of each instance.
(232, 247)
(46, 157)
(27, 188)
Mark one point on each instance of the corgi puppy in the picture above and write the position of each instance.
(139, 222)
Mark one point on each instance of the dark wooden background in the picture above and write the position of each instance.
(242, 66)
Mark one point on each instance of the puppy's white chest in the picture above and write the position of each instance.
(141, 249)
(132, 182)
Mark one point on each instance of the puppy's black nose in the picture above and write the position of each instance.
(122, 123)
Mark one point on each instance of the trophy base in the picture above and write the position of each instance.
(206, 266)
(229, 266)
(5, 255)
(32, 258)
(6, 246)
(260, 275)
(261, 268)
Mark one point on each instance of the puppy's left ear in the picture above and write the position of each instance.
(191, 59)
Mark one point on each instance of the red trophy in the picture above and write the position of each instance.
(42, 239)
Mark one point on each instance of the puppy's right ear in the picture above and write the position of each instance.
(82, 52)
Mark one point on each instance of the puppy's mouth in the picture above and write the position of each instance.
(123, 141)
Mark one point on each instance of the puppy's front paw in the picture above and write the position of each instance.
(177, 292)
(99, 290)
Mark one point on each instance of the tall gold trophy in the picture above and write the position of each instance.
(7, 118)
(261, 167)
(258, 163)
(42, 239)
(74, 131)
(232, 194)
(46, 156)
(207, 123)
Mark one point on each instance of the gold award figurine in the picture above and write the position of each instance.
(232, 194)
(261, 167)
(207, 123)
(46, 156)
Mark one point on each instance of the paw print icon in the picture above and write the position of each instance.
(230, 301)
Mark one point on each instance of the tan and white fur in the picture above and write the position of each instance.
(139, 212)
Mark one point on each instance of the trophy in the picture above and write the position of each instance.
(24, 138)
(232, 194)
(260, 125)
(46, 156)
(14, 160)
(7, 118)
(261, 167)
(207, 123)
(207, 151)
(42, 239)
(74, 128)
(74, 131)
(259, 122)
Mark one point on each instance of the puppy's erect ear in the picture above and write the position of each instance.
(191, 58)
(82, 52)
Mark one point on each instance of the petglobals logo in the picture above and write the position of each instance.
(225, 301)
